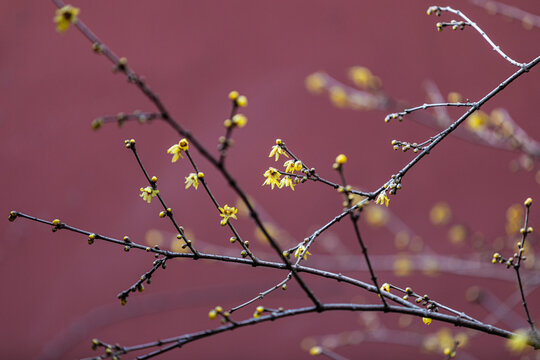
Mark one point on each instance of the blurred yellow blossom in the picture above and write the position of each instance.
(440, 214)
(338, 96)
(315, 83)
(454, 97)
(518, 341)
(477, 121)
(403, 265)
(457, 234)
(376, 216)
(363, 78)
(316, 350)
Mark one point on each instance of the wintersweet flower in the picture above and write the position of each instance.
(426, 320)
(177, 149)
(65, 16)
(227, 213)
(239, 120)
(272, 177)
(291, 166)
(382, 199)
(301, 251)
(341, 159)
(192, 179)
(277, 150)
(385, 287)
(148, 193)
(286, 181)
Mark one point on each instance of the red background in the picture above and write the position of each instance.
(58, 293)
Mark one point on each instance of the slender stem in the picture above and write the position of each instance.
(166, 209)
(222, 258)
(179, 341)
(262, 294)
(439, 137)
(138, 285)
(216, 204)
(484, 35)
(225, 145)
(427, 106)
(517, 267)
(354, 219)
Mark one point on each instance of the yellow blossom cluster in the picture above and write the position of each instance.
(239, 100)
(273, 176)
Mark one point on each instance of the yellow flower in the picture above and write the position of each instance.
(385, 287)
(233, 95)
(341, 159)
(241, 101)
(518, 341)
(192, 179)
(301, 251)
(148, 193)
(177, 149)
(227, 213)
(272, 177)
(65, 16)
(382, 199)
(286, 181)
(426, 320)
(239, 120)
(277, 150)
(291, 166)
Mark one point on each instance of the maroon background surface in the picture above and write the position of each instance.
(58, 293)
